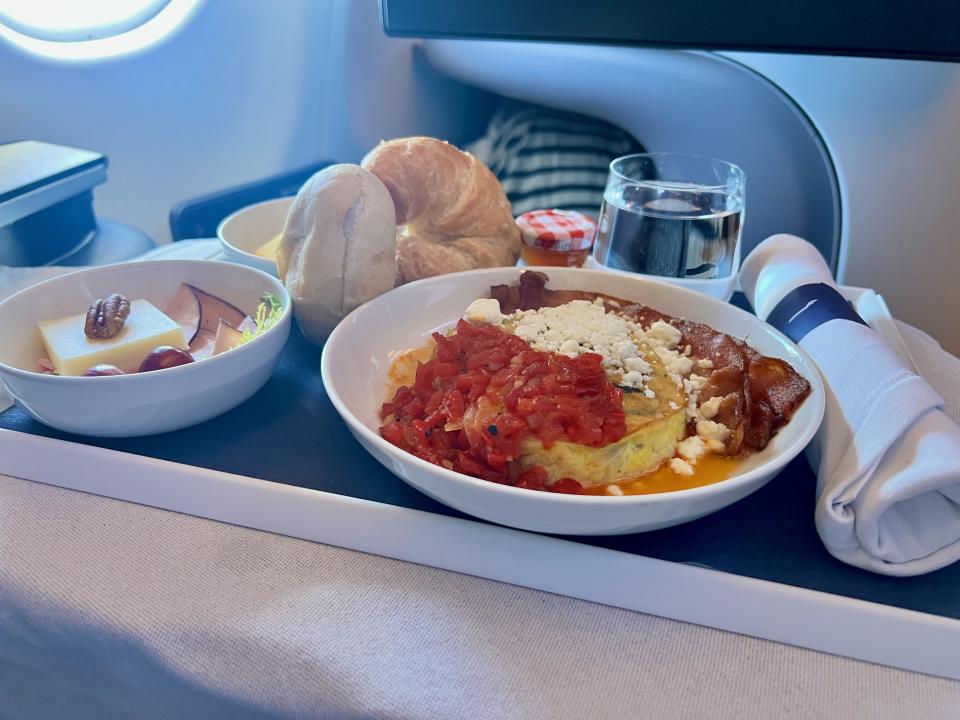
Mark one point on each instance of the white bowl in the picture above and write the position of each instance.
(138, 403)
(357, 356)
(721, 288)
(242, 233)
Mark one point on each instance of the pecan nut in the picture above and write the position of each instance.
(105, 318)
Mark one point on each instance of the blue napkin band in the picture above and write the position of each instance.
(809, 306)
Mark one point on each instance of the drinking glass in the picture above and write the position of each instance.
(671, 215)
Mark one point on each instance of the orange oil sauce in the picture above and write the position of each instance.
(403, 369)
(709, 469)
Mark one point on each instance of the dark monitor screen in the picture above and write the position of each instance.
(919, 29)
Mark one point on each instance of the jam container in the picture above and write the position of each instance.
(556, 237)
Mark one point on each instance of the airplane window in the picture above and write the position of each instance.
(72, 30)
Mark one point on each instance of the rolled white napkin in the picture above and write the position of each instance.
(887, 456)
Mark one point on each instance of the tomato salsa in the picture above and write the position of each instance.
(485, 390)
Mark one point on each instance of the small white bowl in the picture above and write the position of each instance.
(138, 403)
(242, 233)
(358, 353)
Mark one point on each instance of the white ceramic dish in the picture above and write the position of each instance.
(719, 288)
(358, 353)
(242, 233)
(139, 403)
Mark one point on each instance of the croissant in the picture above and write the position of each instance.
(452, 213)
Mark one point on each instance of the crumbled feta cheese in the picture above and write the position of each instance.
(681, 467)
(692, 448)
(484, 311)
(664, 334)
(705, 363)
(624, 349)
(692, 387)
(614, 490)
(669, 359)
(715, 446)
(710, 430)
(580, 326)
(710, 408)
(681, 365)
(637, 364)
(569, 347)
(674, 406)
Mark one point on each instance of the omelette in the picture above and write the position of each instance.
(654, 427)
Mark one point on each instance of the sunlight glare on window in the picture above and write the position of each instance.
(89, 29)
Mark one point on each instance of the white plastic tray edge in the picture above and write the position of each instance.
(818, 621)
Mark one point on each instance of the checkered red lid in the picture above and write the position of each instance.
(560, 230)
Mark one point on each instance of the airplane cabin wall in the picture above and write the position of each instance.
(246, 89)
(893, 129)
(243, 90)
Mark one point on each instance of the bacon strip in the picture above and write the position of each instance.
(760, 394)
(532, 294)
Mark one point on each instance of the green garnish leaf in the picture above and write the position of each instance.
(268, 314)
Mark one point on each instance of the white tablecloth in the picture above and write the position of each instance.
(115, 610)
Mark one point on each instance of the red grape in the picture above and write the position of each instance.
(101, 370)
(163, 357)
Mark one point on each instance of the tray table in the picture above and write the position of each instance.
(284, 462)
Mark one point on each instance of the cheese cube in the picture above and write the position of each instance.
(73, 353)
(270, 248)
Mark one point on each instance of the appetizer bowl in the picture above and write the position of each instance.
(244, 232)
(360, 350)
(147, 402)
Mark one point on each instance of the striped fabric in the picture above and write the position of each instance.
(547, 158)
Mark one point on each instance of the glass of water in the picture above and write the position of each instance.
(671, 215)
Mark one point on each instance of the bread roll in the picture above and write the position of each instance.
(452, 213)
(338, 248)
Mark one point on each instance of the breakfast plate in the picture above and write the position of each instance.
(359, 353)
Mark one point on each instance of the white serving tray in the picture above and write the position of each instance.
(806, 618)
(820, 621)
